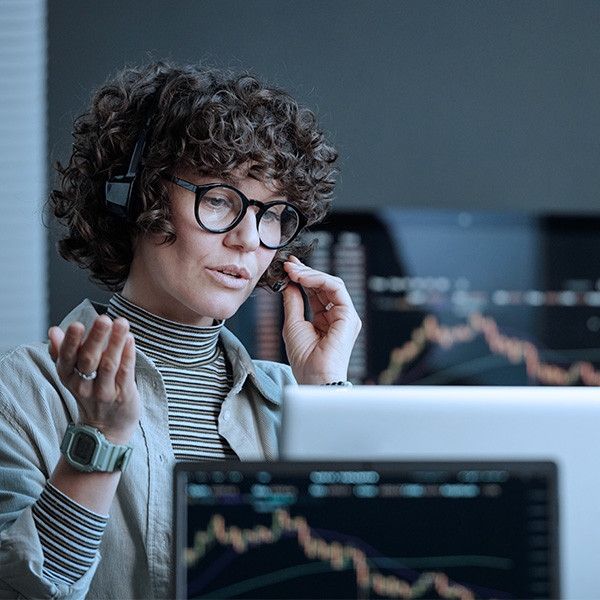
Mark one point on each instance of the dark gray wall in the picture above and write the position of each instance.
(441, 104)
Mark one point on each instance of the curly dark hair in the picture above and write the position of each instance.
(207, 120)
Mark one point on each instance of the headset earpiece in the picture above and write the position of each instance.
(120, 196)
(119, 192)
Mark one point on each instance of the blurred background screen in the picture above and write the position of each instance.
(458, 298)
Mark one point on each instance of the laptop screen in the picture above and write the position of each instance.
(366, 530)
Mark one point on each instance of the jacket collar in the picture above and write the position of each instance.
(85, 313)
(243, 366)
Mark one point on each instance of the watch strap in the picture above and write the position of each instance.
(113, 457)
(347, 384)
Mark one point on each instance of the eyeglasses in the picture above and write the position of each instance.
(220, 207)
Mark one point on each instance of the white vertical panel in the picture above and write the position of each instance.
(23, 302)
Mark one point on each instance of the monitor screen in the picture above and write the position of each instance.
(366, 530)
(432, 423)
(450, 298)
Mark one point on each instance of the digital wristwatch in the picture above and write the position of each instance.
(86, 449)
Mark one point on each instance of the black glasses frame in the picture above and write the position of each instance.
(201, 190)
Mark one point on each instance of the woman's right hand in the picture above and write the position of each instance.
(111, 401)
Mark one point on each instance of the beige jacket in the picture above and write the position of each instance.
(135, 555)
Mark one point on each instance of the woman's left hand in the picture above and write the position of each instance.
(318, 351)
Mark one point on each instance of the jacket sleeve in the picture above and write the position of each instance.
(33, 415)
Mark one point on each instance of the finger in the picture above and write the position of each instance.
(125, 373)
(111, 357)
(293, 305)
(321, 288)
(311, 278)
(56, 335)
(69, 348)
(93, 346)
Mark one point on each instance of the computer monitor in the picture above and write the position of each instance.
(366, 530)
(559, 424)
(457, 298)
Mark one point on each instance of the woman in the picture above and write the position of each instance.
(186, 189)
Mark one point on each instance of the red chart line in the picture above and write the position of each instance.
(517, 351)
(340, 556)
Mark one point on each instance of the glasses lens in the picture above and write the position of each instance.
(218, 208)
(278, 224)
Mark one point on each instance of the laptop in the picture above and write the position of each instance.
(560, 424)
(381, 529)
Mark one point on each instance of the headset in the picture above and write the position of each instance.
(120, 190)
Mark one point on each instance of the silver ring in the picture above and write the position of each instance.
(329, 306)
(85, 377)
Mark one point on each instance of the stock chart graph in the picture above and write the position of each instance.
(377, 533)
(334, 556)
(460, 298)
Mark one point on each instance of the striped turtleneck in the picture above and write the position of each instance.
(196, 375)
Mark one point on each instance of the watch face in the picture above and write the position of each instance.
(82, 448)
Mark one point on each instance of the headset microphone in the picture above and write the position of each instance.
(119, 190)
(280, 284)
